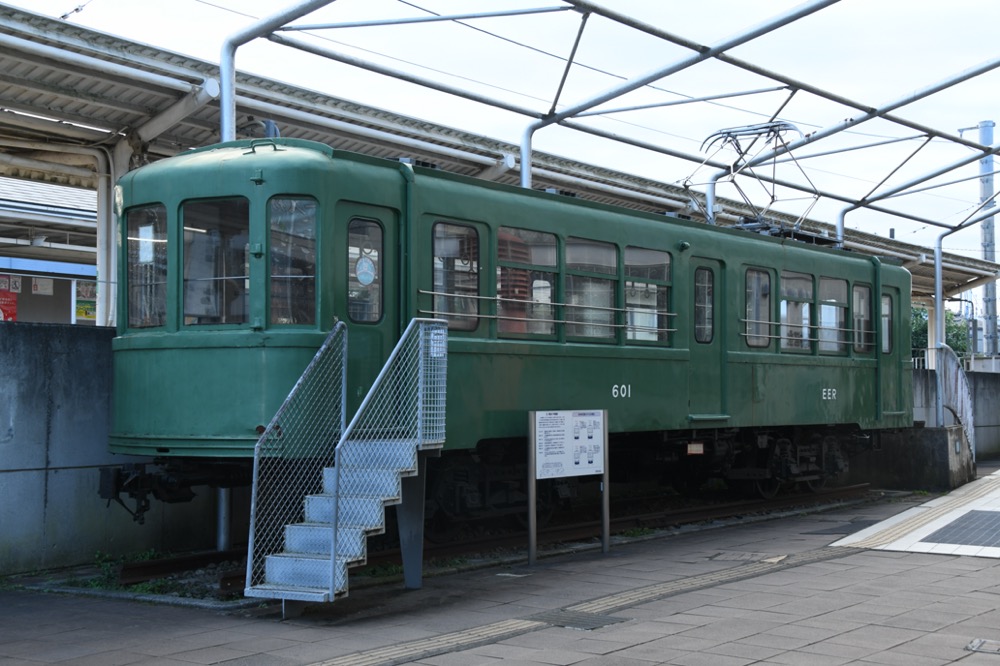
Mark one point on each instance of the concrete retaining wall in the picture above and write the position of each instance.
(54, 415)
(915, 459)
(986, 407)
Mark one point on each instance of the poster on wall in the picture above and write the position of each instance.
(86, 300)
(42, 286)
(8, 306)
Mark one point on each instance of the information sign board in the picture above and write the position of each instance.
(569, 443)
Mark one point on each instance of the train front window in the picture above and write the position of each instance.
(364, 270)
(293, 260)
(216, 261)
(647, 294)
(796, 301)
(832, 316)
(526, 262)
(456, 275)
(590, 300)
(147, 266)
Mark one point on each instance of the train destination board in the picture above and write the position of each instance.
(569, 443)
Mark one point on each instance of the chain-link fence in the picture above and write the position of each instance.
(296, 446)
(311, 500)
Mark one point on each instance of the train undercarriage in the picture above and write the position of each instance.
(489, 481)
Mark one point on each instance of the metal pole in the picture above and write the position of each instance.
(223, 533)
(989, 245)
(532, 492)
(605, 490)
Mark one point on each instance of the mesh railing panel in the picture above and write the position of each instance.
(348, 474)
(293, 450)
(407, 400)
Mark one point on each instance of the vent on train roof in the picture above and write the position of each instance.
(779, 230)
(418, 163)
(556, 190)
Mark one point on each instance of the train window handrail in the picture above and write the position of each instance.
(867, 336)
(498, 299)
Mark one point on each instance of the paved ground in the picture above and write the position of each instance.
(774, 592)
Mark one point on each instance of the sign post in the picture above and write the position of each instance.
(567, 443)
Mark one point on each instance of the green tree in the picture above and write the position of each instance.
(955, 330)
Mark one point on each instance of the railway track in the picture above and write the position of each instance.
(227, 571)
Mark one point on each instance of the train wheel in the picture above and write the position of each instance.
(766, 488)
(815, 485)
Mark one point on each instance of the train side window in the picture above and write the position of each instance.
(590, 299)
(863, 331)
(647, 295)
(456, 275)
(886, 324)
(293, 260)
(796, 301)
(216, 261)
(832, 315)
(758, 319)
(147, 266)
(704, 305)
(364, 270)
(526, 278)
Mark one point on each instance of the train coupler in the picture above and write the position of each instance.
(139, 484)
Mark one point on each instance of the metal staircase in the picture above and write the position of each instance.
(321, 489)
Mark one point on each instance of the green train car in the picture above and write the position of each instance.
(716, 352)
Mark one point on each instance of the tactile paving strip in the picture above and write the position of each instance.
(925, 516)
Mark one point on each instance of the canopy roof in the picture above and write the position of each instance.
(78, 106)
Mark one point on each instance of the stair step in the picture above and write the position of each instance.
(290, 593)
(391, 454)
(304, 571)
(363, 482)
(315, 538)
(353, 511)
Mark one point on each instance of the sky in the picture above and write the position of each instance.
(873, 52)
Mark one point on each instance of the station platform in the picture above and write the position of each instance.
(908, 580)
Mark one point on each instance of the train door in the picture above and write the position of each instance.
(706, 369)
(890, 356)
(366, 296)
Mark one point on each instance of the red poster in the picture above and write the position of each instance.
(8, 306)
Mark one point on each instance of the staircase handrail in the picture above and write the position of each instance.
(955, 393)
(432, 333)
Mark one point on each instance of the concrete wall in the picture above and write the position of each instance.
(986, 403)
(54, 415)
(915, 459)
(986, 406)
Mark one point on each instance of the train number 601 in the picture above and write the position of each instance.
(621, 391)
